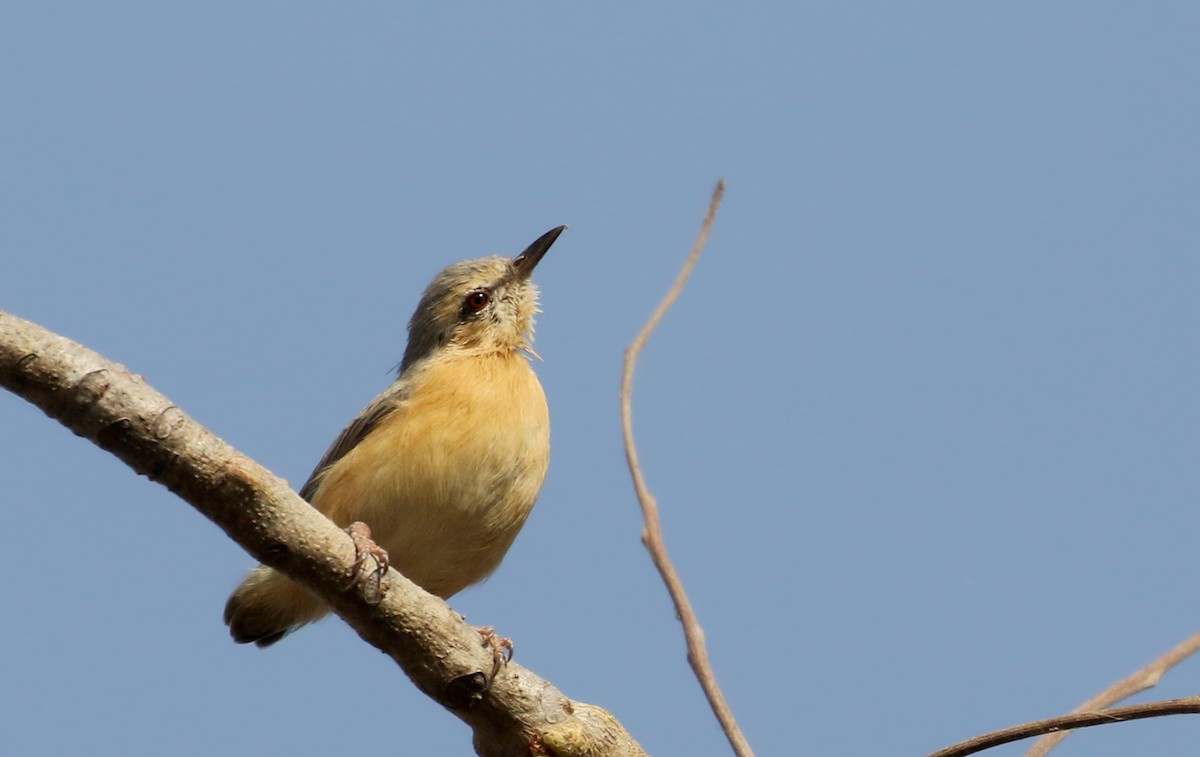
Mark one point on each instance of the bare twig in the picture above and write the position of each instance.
(1146, 678)
(652, 534)
(1185, 706)
(510, 711)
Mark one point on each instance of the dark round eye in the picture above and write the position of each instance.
(476, 301)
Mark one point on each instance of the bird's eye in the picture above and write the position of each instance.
(476, 301)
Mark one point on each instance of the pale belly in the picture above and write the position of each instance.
(447, 480)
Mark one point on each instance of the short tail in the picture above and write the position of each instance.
(268, 606)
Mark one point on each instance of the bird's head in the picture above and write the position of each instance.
(479, 306)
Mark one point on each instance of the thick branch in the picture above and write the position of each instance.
(516, 713)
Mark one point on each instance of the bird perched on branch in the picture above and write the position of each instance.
(444, 466)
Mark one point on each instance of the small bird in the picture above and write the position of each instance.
(445, 465)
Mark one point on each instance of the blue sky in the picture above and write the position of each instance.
(923, 426)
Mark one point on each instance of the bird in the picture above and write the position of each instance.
(444, 466)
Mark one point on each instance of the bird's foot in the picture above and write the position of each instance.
(501, 646)
(364, 547)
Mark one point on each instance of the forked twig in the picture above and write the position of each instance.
(1146, 678)
(1185, 706)
(652, 535)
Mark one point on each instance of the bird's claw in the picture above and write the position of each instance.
(364, 547)
(501, 646)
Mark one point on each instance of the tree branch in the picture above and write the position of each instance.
(1185, 706)
(514, 713)
(652, 535)
(1146, 678)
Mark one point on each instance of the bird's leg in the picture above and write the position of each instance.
(360, 534)
(501, 646)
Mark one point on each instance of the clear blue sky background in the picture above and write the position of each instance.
(923, 427)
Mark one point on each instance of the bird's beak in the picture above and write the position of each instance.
(524, 263)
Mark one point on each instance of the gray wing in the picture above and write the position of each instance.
(366, 422)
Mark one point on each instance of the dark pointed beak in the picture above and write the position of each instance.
(524, 263)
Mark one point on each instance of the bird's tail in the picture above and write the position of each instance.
(267, 606)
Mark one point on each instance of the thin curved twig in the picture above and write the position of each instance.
(652, 534)
(1185, 706)
(1146, 678)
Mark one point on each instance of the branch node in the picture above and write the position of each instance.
(463, 692)
(168, 421)
(91, 388)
